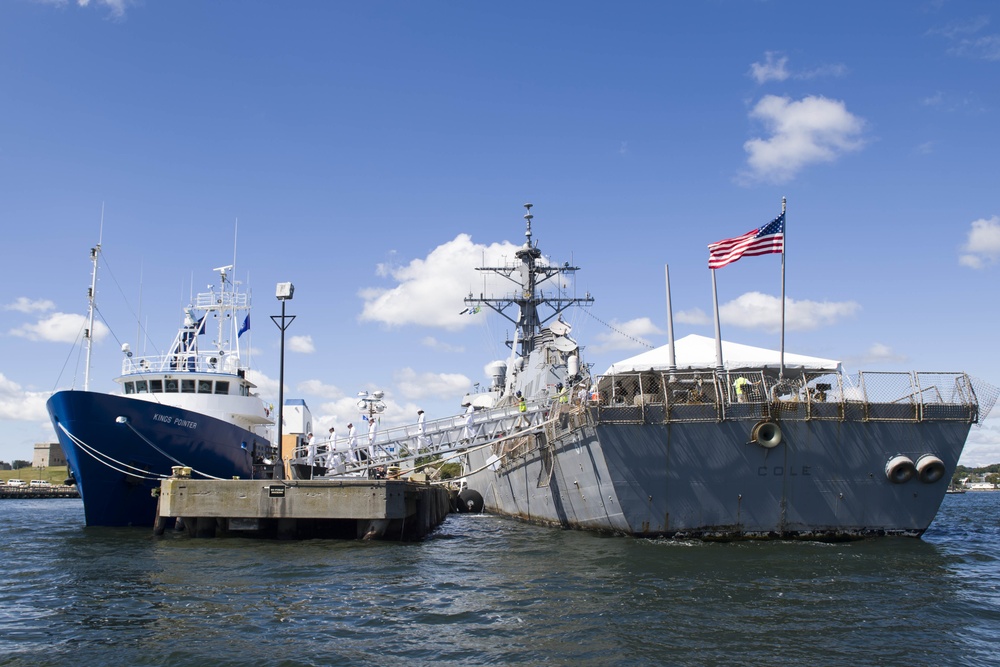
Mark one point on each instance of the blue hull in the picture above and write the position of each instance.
(119, 463)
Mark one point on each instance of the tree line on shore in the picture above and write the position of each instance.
(990, 474)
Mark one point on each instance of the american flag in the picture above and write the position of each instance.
(763, 241)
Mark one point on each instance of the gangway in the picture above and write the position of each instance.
(444, 438)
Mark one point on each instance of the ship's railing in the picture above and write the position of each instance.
(184, 362)
(692, 396)
(439, 438)
(222, 301)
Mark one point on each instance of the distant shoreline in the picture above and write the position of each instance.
(34, 492)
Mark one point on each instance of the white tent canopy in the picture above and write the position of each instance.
(698, 352)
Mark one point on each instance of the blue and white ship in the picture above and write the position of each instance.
(192, 407)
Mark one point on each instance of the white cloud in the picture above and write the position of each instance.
(26, 305)
(17, 403)
(983, 245)
(836, 70)
(434, 343)
(431, 292)
(983, 446)
(967, 43)
(303, 344)
(414, 386)
(881, 352)
(772, 69)
(267, 388)
(318, 388)
(116, 8)
(755, 310)
(59, 328)
(696, 317)
(775, 68)
(986, 47)
(804, 132)
(958, 29)
(968, 103)
(935, 100)
(877, 354)
(629, 335)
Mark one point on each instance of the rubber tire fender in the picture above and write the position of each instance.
(470, 502)
(930, 468)
(900, 469)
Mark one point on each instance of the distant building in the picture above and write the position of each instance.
(981, 486)
(48, 454)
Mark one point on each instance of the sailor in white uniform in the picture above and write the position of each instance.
(470, 429)
(422, 439)
(352, 443)
(311, 454)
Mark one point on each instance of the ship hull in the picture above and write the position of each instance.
(121, 447)
(825, 480)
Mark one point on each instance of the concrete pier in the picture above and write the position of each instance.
(303, 509)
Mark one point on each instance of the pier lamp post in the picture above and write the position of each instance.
(372, 405)
(284, 293)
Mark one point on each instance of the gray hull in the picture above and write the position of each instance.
(706, 438)
(827, 479)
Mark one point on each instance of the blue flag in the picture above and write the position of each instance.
(245, 327)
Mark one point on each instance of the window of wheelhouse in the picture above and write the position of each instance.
(187, 386)
(204, 386)
(222, 387)
(141, 387)
(171, 386)
(129, 388)
(156, 386)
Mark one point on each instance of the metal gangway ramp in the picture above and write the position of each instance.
(445, 438)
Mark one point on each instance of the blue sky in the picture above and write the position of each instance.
(372, 153)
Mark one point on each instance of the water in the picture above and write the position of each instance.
(485, 590)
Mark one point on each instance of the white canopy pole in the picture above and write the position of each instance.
(670, 323)
(718, 330)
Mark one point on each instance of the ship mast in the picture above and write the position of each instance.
(88, 333)
(227, 302)
(529, 274)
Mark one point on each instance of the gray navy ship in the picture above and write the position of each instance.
(752, 449)
(675, 443)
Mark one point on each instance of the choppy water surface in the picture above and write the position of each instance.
(485, 590)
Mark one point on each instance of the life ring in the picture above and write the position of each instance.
(766, 434)
(899, 469)
(930, 468)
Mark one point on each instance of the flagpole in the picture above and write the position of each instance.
(670, 324)
(718, 330)
(781, 368)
